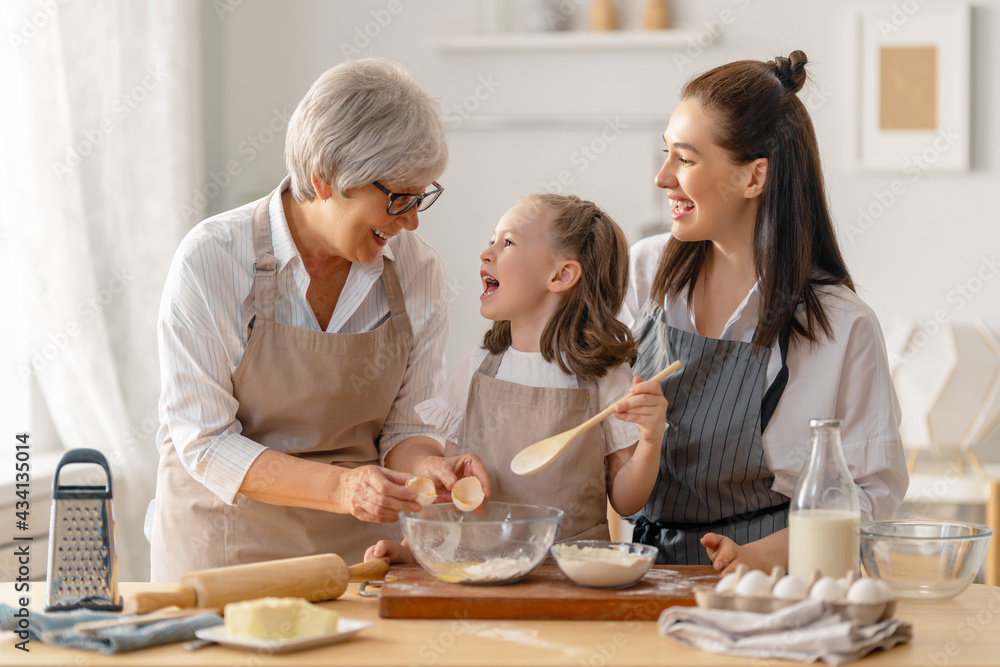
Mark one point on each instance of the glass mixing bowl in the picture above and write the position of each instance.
(500, 545)
(923, 559)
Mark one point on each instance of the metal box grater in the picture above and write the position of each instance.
(83, 567)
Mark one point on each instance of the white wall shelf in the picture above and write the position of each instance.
(569, 40)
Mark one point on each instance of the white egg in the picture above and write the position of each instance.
(869, 591)
(790, 587)
(827, 589)
(726, 584)
(753, 582)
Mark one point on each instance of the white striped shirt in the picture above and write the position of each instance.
(202, 335)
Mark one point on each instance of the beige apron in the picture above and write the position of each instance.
(295, 393)
(502, 418)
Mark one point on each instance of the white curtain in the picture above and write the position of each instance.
(102, 153)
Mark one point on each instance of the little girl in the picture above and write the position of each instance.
(554, 277)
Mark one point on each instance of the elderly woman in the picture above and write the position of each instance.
(296, 335)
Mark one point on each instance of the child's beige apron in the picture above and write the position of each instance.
(301, 392)
(502, 418)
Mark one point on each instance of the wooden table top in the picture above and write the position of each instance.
(962, 631)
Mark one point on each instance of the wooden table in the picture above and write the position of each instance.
(963, 631)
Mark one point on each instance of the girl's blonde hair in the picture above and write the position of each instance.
(584, 335)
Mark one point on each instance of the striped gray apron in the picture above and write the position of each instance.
(713, 475)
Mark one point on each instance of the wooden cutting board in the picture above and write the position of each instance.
(412, 592)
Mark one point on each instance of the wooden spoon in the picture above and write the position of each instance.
(534, 457)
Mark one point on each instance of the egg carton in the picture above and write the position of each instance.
(858, 613)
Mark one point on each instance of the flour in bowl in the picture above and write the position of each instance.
(498, 569)
(492, 570)
(602, 568)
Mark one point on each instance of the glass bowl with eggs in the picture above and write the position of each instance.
(862, 601)
(499, 543)
(603, 564)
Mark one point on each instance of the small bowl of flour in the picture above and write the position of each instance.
(602, 564)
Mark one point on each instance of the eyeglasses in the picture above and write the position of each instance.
(401, 202)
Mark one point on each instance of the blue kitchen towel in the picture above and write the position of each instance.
(56, 629)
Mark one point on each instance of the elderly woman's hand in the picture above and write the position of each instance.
(444, 471)
(376, 494)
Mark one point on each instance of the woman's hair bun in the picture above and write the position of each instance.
(791, 71)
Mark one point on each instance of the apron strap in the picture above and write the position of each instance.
(260, 300)
(770, 401)
(390, 282)
(491, 364)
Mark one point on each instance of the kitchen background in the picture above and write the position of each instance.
(126, 122)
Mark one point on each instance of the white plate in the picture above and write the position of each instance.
(346, 628)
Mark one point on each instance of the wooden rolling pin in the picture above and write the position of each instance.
(315, 578)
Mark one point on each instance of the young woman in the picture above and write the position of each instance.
(750, 292)
(554, 277)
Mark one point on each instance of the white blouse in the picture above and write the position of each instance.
(202, 335)
(845, 376)
(445, 411)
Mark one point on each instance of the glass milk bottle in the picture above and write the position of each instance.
(825, 517)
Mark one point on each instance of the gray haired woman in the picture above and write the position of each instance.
(296, 335)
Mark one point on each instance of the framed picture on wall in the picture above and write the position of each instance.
(914, 93)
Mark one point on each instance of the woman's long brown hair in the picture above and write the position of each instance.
(584, 336)
(758, 115)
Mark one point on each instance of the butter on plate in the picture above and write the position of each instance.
(278, 619)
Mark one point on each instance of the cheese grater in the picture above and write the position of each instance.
(83, 567)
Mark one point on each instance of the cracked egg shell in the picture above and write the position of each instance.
(426, 493)
(467, 494)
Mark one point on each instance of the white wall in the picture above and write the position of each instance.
(261, 56)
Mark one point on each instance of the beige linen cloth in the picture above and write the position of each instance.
(806, 631)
